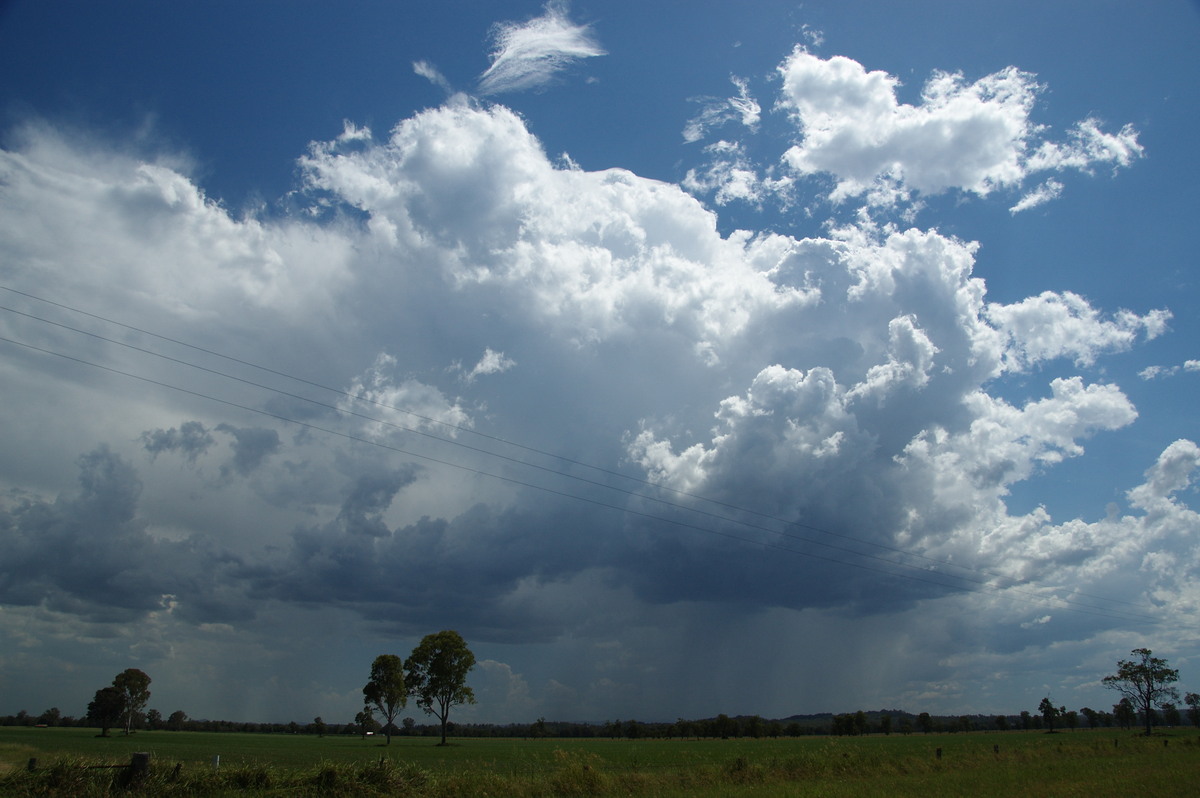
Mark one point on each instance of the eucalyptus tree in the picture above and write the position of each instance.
(105, 709)
(1193, 713)
(437, 674)
(134, 688)
(1146, 681)
(386, 691)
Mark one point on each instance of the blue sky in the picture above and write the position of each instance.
(652, 346)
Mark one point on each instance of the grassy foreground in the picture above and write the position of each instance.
(1082, 763)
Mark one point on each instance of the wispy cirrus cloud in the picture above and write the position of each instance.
(715, 112)
(528, 55)
(433, 75)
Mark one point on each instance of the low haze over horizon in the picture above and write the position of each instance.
(765, 358)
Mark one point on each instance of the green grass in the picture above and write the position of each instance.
(1070, 763)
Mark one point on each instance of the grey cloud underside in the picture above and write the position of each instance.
(844, 383)
(468, 568)
(90, 555)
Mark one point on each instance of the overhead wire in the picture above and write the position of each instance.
(975, 578)
(623, 509)
(976, 573)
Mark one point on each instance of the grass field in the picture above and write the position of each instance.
(1083, 763)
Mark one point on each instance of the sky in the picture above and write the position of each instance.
(685, 357)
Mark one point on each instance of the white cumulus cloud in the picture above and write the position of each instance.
(975, 137)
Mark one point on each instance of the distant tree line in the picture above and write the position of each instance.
(436, 678)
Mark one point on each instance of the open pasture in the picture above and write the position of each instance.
(980, 764)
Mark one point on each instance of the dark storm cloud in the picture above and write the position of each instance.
(468, 571)
(251, 447)
(191, 439)
(89, 554)
(370, 496)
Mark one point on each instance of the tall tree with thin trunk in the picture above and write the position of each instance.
(134, 687)
(437, 674)
(386, 691)
(1145, 681)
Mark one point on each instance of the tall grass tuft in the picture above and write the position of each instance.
(577, 773)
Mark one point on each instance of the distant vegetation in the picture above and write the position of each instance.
(884, 752)
(437, 679)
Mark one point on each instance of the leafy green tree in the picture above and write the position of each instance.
(365, 720)
(1049, 713)
(1145, 681)
(1002, 722)
(176, 720)
(437, 674)
(105, 708)
(925, 722)
(1124, 713)
(537, 729)
(885, 724)
(319, 726)
(754, 727)
(134, 687)
(386, 691)
(723, 726)
(1171, 715)
(1193, 702)
(50, 717)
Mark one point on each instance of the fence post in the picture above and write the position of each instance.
(32, 766)
(939, 753)
(139, 764)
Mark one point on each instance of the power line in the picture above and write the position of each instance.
(976, 575)
(973, 577)
(1073, 606)
(486, 452)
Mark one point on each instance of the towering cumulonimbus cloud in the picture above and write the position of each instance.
(527, 391)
